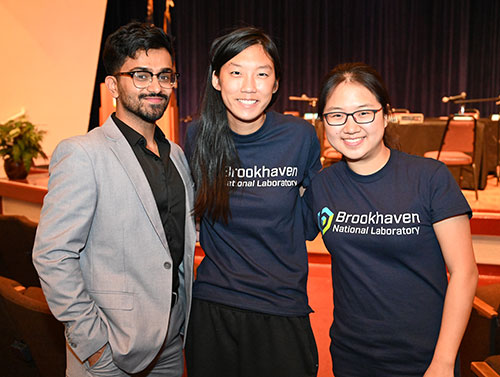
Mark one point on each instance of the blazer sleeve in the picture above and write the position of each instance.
(62, 234)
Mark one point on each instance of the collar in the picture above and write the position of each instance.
(134, 137)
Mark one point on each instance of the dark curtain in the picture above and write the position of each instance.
(483, 75)
(424, 49)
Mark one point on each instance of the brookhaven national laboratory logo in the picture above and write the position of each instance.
(262, 176)
(372, 222)
(325, 217)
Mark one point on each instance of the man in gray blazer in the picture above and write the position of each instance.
(115, 244)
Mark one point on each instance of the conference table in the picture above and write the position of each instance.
(418, 138)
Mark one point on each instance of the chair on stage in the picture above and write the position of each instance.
(482, 335)
(43, 334)
(458, 146)
(329, 155)
(17, 235)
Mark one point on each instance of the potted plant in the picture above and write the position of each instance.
(19, 145)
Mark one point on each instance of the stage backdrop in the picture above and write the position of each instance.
(424, 49)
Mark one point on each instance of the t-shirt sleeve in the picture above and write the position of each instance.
(310, 225)
(313, 161)
(446, 198)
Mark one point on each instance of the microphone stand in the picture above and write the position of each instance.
(478, 100)
(311, 100)
(497, 170)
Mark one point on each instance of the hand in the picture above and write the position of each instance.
(96, 356)
(440, 370)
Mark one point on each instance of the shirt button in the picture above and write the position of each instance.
(167, 265)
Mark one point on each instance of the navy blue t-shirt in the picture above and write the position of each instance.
(258, 261)
(388, 272)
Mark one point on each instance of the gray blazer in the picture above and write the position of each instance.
(101, 250)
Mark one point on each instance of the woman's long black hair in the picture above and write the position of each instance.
(214, 150)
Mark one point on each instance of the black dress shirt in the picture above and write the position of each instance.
(167, 187)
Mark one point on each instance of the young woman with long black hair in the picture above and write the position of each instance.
(250, 313)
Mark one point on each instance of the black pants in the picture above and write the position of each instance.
(223, 341)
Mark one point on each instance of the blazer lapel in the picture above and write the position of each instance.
(122, 150)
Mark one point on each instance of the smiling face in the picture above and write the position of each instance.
(247, 83)
(141, 105)
(361, 144)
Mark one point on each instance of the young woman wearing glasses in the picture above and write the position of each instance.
(393, 224)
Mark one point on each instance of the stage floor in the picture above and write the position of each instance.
(489, 198)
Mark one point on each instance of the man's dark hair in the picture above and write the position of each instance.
(128, 39)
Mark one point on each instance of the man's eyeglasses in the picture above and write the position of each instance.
(339, 118)
(142, 79)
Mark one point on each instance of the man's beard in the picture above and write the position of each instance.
(148, 113)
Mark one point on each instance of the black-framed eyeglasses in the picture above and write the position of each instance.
(339, 118)
(142, 79)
